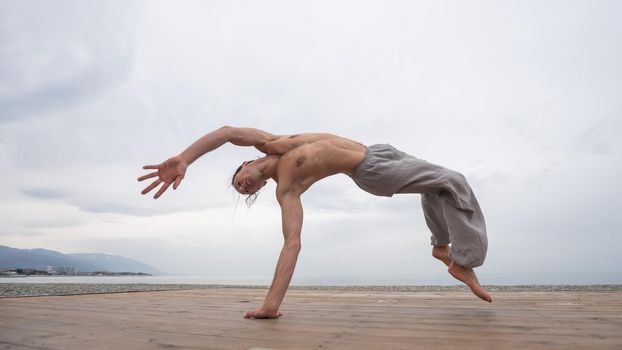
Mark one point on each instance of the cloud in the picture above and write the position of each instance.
(48, 65)
(45, 193)
(51, 222)
(20, 233)
(600, 138)
(95, 206)
(116, 207)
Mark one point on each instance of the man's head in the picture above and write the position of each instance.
(247, 179)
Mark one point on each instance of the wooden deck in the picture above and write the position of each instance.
(314, 319)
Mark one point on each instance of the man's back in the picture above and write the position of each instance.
(307, 158)
(281, 144)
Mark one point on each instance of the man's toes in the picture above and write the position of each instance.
(481, 293)
(468, 277)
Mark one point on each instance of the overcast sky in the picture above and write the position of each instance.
(523, 97)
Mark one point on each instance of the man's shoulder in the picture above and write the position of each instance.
(283, 144)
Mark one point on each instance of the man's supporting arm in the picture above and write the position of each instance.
(291, 212)
(218, 137)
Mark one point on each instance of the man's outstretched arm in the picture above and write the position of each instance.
(218, 137)
(291, 212)
(173, 170)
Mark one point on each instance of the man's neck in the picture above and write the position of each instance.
(267, 166)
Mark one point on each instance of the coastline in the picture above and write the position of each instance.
(13, 290)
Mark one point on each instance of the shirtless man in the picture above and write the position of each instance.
(296, 162)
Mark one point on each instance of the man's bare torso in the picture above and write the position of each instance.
(307, 158)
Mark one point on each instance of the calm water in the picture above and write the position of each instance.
(385, 280)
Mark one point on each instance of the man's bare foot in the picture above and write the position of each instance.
(468, 277)
(441, 252)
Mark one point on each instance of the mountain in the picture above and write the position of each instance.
(40, 259)
(114, 263)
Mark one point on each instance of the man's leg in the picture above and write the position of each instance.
(390, 171)
(433, 213)
(467, 231)
(453, 215)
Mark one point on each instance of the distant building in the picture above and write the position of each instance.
(63, 270)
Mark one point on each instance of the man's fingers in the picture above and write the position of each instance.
(250, 314)
(145, 177)
(151, 166)
(260, 314)
(152, 186)
(162, 189)
(177, 182)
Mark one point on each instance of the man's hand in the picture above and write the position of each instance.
(261, 313)
(172, 171)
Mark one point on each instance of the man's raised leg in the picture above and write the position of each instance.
(467, 232)
(464, 228)
(433, 213)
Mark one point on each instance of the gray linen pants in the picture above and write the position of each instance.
(450, 208)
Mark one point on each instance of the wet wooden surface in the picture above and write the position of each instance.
(314, 319)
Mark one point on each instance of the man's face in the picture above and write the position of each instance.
(248, 179)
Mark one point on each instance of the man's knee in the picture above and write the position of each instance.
(454, 178)
(456, 190)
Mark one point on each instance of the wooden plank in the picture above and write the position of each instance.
(315, 319)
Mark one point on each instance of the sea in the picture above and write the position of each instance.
(512, 279)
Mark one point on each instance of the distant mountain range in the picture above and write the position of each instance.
(40, 259)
